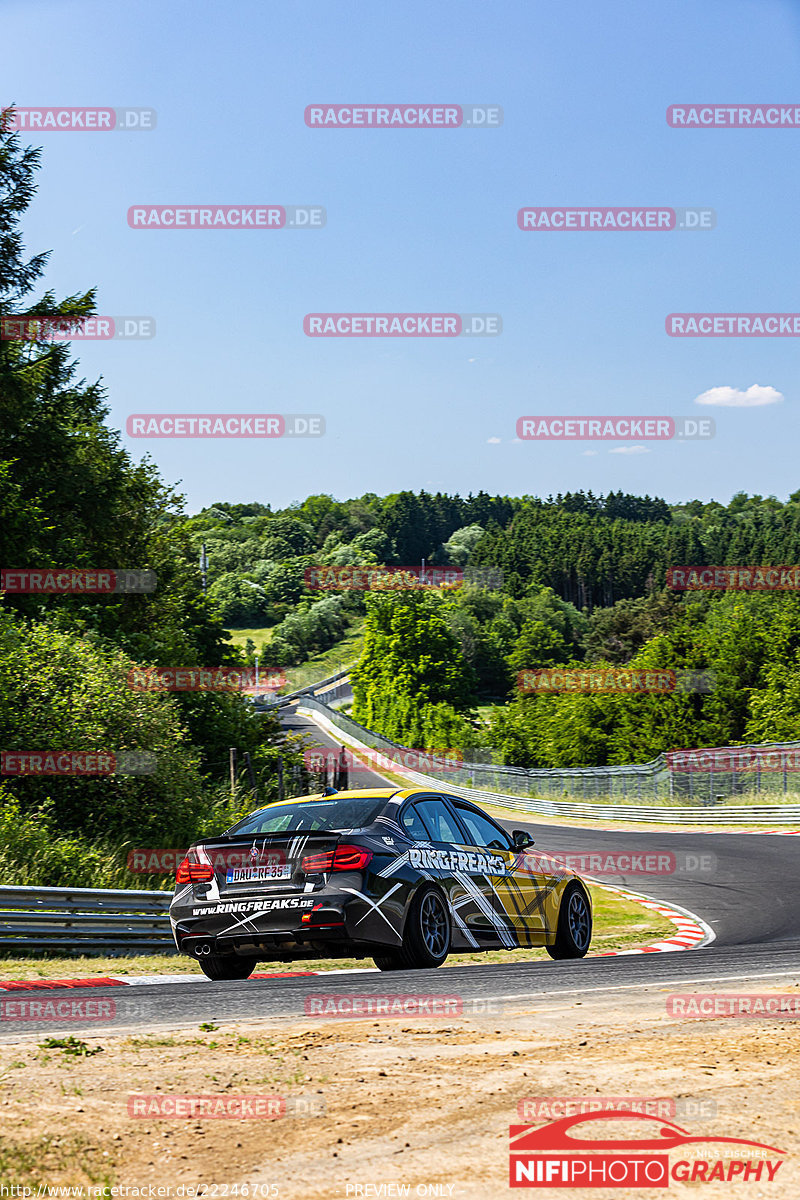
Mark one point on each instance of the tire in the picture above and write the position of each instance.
(574, 929)
(388, 962)
(227, 966)
(426, 935)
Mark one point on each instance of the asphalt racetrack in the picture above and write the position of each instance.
(746, 887)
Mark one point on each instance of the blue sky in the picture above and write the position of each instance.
(425, 221)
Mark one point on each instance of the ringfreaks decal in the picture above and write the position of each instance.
(237, 906)
(457, 860)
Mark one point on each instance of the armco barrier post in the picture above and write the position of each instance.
(251, 773)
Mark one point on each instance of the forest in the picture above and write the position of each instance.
(583, 580)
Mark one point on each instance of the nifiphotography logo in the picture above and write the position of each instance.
(645, 1152)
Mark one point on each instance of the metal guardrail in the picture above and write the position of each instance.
(117, 921)
(515, 788)
(667, 814)
(321, 685)
(122, 921)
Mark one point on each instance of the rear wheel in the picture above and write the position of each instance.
(574, 930)
(388, 961)
(426, 936)
(227, 966)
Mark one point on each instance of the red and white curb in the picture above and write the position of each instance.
(692, 931)
(102, 981)
(770, 832)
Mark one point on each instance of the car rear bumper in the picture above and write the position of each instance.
(333, 923)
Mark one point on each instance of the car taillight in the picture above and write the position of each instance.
(343, 858)
(194, 872)
(350, 858)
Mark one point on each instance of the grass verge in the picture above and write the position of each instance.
(239, 637)
(318, 666)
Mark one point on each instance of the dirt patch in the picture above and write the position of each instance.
(418, 1103)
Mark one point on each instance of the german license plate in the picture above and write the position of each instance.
(258, 874)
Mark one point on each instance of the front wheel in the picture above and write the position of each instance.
(426, 936)
(227, 966)
(574, 929)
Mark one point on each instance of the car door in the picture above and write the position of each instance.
(446, 858)
(519, 894)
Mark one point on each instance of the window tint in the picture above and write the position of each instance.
(439, 822)
(412, 823)
(331, 814)
(482, 831)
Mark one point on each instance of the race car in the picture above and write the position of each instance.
(401, 876)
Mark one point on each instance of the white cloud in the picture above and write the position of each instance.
(728, 397)
(630, 450)
(588, 453)
(493, 441)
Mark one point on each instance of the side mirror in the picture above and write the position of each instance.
(521, 839)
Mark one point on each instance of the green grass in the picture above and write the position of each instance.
(71, 1046)
(259, 636)
(327, 662)
(35, 1162)
(343, 654)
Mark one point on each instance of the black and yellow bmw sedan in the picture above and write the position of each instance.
(401, 876)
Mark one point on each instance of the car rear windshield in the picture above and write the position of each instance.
(331, 815)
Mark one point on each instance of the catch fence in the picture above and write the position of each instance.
(754, 782)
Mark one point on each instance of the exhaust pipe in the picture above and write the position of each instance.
(202, 948)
